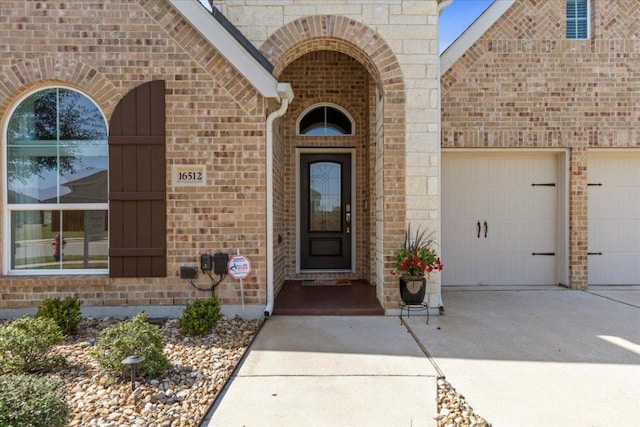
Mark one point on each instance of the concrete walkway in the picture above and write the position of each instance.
(541, 357)
(528, 358)
(330, 371)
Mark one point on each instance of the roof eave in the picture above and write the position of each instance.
(473, 33)
(253, 68)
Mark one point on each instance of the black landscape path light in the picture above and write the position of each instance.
(132, 362)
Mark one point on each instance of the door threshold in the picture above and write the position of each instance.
(324, 271)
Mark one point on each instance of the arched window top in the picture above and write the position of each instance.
(56, 185)
(325, 120)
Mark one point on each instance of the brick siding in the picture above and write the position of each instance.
(523, 85)
(215, 118)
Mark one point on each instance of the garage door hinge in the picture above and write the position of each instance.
(550, 184)
(594, 253)
(543, 254)
(594, 185)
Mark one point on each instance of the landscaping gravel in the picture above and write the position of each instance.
(453, 409)
(200, 366)
(199, 369)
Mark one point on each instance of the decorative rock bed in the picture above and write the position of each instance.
(453, 409)
(181, 397)
(200, 366)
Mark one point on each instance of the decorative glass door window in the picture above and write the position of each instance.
(325, 207)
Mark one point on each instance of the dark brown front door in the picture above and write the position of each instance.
(326, 214)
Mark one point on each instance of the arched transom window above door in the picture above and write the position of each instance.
(325, 120)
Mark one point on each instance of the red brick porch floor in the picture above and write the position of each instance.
(357, 299)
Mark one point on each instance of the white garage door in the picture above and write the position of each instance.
(499, 218)
(614, 218)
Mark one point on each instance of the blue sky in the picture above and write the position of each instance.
(457, 17)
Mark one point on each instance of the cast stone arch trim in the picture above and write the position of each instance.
(341, 34)
(344, 35)
(26, 75)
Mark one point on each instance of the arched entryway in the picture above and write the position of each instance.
(332, 60)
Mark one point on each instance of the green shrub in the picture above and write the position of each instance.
(24, 344)
(134, 337)
(65, 312)
(199, 317)
(32, 401)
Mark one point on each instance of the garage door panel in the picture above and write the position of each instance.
(463, 204)
(462, 235)
(542, 269)
(541, 236)
(520, 218)
(615, 202)
(615, 236)
(614, 218)
(523, 237)
(627, 268)
(462, 276)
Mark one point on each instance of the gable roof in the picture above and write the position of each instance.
(473, 33)
(231, 44)
(235, 32)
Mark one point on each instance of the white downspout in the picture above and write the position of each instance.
(286, 95)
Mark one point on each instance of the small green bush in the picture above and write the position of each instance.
(65, 312)
(32, 401)
(134, 337)
(24, 344)
(199, 317)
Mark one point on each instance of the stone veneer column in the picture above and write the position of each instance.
(410, 29)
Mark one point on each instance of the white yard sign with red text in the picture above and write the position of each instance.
(239, 266)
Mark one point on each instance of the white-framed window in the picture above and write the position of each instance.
(325, 120)
(56, 185)
(578, 19)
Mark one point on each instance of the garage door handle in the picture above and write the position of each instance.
(543, 254)
(486, 229)
(479, 229)
(594, 253)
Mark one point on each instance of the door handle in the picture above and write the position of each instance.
(479, 229)
(347, 219)
(486, 229)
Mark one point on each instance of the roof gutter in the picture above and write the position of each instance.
(285, 93)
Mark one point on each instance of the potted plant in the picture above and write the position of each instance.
(416, 258)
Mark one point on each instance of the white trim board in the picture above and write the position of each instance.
(473, 33)
(228, 46)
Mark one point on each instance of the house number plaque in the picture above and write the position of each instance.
(189, 175)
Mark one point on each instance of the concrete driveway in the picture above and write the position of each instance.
(541, 357)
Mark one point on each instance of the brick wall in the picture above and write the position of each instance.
(523, 85)
(214, 118)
